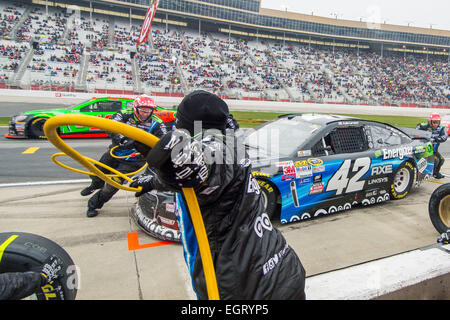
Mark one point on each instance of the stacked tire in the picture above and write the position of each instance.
(22, 252)
(439, 208)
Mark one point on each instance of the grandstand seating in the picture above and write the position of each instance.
(93, 53)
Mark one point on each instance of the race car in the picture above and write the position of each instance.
(331, 163)
(310, 165)
(30, 124)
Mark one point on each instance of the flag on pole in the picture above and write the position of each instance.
(148, 22)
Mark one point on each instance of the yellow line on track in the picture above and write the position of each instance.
(30, 150)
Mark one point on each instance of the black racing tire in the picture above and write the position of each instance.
(439, 208)
(36, 128)
(269, 195)
(24, 252)
(401, 181)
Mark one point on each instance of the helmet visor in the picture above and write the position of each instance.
(143, 113)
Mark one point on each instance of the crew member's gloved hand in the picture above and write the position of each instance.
(144, 181)
(52, 269)
(444, 238)
(143, 149)
(126, 143)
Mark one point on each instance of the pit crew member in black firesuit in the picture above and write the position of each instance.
(19, 285)
(144, 116)
(438, 135)
(251, 257)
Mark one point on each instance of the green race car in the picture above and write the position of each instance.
(30, 124)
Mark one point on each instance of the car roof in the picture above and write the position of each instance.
(112, 98)
(317, 118)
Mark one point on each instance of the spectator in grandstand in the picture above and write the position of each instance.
(438, 135)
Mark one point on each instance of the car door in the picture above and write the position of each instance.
(340, 161)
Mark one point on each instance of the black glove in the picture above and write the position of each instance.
(144, 181)
(52, 269)
(143, 149)
(126, 143)
(444, 237)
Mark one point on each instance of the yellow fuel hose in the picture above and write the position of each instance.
(50, 130)
(111, 152)
(116, 173)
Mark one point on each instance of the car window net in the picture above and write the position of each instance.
(348, 140)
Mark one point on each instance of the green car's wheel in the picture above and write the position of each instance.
(36, 129)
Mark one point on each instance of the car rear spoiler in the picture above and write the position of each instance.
(417, 134)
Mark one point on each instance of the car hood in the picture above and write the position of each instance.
(416, 134)
(46, 111)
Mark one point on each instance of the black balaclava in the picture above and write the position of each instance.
(202, 106)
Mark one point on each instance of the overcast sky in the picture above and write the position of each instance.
(416, 13)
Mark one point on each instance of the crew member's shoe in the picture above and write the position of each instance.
(438, 175)
(91, 212)
(444, 237)
(88, 190)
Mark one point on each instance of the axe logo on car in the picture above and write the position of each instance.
(349, 162)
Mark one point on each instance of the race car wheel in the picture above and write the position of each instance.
(402, 181)
(269, 195)
(36, 130)
(21, 252)
(439, 208)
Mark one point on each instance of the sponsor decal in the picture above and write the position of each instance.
(209, 190)
(315, 162)
(317, 169)
(302, 172)
(245, 162)
(371, 193)
(288, 171)
(260, 174)
(304, 153)
(381, 170)
(302, 163)
(272, 262)
(170, 207)
(253, 185)
(283, 163)
(294, 193)
(265, 185)
(348, 123)
(305, 180)
(377, 181)
(261, 223)
(397, 152)
(316, 188)
(422, 165)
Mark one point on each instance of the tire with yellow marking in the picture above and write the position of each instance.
(401, 181)
(36, 128)
(269, 195)
(22, 252)
(439, 208)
